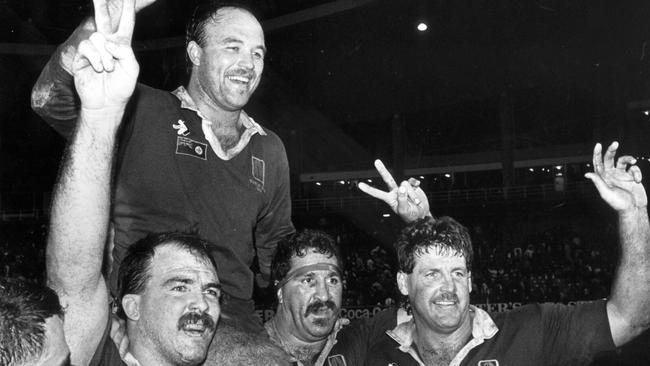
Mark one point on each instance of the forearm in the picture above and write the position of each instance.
(81, 204)
(630, 297)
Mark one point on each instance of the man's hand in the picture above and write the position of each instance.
(407, 200)
(104, 69)
(619, 185)
(118, 335)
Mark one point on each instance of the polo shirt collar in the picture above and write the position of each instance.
(483, 327)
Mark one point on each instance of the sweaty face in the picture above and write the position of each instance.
(179, 308)
(232, 59)
(55, 350)
(438, 290)
(312, 299)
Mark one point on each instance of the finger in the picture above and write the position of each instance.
(623, 162)
(374, 192)
(385, 175)
(88, 54)
(124, 346)
(414, 182)
(119, 51)
(127, 21)
(402, 198)
(636, 173)
(597, 158)
(102, 18)
(99, 42)
(608, 159)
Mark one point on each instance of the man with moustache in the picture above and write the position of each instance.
(192, 158)
(307, 276)
(435, 257)
(169, 289)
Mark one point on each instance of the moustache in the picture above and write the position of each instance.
(446, 296)
(320, 305)
(197, 318)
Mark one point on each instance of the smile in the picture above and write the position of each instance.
(239, 79)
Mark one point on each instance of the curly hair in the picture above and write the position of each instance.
(445, 234)
(298, 245)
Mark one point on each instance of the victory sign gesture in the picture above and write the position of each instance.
(618, 184)
(407, 200)
(104, 68)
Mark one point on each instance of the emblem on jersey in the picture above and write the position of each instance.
(258, 169)
(336, 360)
(488, 363)
(182, 129)
(189, 147)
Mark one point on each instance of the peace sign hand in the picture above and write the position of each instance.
(619, 185)
(407, 200)
(104, 68)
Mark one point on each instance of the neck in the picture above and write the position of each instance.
(141, 347)
(439, 348)
(303, 351)
(222, 120)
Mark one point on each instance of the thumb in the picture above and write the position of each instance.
(600, 184)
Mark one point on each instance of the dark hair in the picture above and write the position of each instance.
(24, 307)
(444, 233)
(299, 245)
(134, 270)
(204, 13)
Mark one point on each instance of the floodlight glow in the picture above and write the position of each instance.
(422, 27)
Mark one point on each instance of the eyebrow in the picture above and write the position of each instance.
(237, 40)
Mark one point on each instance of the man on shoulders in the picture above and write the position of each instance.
(192, 158)
(169, 289)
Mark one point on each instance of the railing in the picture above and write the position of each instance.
(581, 190)
(33, 205)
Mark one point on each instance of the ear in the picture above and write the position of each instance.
(131, 306)
(402, 283)
(469, 281)
(194, 52)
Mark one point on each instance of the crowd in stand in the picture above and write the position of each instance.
(557, 263)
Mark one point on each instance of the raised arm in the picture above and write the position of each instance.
(53, 95)
(619, 184)
(105, 72)
(407, 200)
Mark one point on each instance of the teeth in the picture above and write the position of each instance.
(444, 302)
(240, 79)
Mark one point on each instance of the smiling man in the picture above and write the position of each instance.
(435, 258)
(192, 158)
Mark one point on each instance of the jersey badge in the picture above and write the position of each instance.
(488, 363)
(181, 127)
(189, 147)
(336, 360)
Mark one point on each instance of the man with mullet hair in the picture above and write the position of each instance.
(31, 325)
(192, 158)
(435, 258)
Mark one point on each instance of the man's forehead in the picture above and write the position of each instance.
(439, 256)
(235, 23)
(170, 259)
